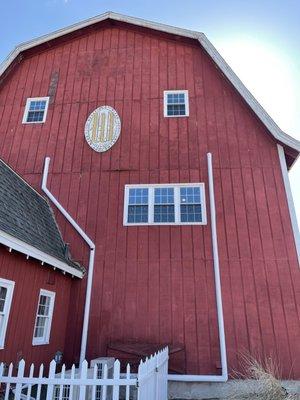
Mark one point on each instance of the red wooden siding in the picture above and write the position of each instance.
(29, 277)
(155, 284)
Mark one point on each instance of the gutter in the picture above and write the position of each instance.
(91, 245)
(214, 238)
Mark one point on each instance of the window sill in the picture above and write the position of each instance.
(163, 223)
(176, 116)
(39, 343)
(33, 122)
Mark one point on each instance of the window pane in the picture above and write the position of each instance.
(44, 305)
(138, 196)
(40, 327)
(164, 195)
(164, 213)
(176, 109)
(190, 195)
(137, 213)
(3, 293)
(190, 212)
(35, 116)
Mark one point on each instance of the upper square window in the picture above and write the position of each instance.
(36, 110)
(176, 103)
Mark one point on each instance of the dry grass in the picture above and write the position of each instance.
(261, 382)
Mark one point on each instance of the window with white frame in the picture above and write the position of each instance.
(6, 293)
(165, 204)
(43, 320)
(176, 103)
(36, 110)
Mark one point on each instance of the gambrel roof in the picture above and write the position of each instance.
(263, 116)
(27, 223)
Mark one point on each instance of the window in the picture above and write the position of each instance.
(164, 207)
(6, 292)
(165, 204)
(36, 110)
(190, 204)
(176, 103)
(43, 318)
(138, 205)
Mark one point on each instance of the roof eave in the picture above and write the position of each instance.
(23, 247)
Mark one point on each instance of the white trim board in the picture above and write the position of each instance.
(30, 251)
(268, 122)
(290, 200)
(9, 285)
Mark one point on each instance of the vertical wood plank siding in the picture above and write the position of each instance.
(155, 284)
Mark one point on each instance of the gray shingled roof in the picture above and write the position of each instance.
(27, 216)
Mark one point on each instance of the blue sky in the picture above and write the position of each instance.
(259, 39)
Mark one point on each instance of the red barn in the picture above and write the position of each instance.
(128, 110)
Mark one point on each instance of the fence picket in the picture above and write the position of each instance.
(127, 386)
(51, 375)
(72, 378)
(31, 371)
(9, 375)
(83, 375)
(104, 388)
(95, 371)
(21, 369)
(116, 375)
(61, 387)
(41, 373)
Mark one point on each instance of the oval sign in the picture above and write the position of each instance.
(102, 128)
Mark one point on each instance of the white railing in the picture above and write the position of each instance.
(83, 383)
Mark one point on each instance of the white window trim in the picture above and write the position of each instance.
(176, 187)
(28, 101)
(10, 289)
(186, 97)
(46, 338)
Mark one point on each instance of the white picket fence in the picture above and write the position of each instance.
(150, 382)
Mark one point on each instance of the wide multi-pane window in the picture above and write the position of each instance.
(176, 103)
(43, 318)
(36, 110)
(6, 292)
(165, 204)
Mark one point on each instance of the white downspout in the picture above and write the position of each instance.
(91, 245)
(214, 239)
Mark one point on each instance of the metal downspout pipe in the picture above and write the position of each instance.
(214, 238)
(91, 245)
